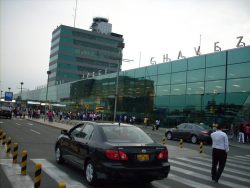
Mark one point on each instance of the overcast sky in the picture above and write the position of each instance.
(151, 28)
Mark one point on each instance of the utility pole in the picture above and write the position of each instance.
(75, 14)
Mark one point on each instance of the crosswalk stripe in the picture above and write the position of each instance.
(204, 177)
(240, 159)
(208, 170)
(187, 181)
(247, 163)
(243, 157)
(228, 164)
(159, 184)
(234, 160)
(57, 174)
(209, 165)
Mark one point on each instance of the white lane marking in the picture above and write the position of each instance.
(243, 157)
(1, 122)
(187, 181)
(225, 174)
(228, 164)
(234, 160)
(245, 173)
(57, 174)
(240, 159)
(205, 177)
(34, 131)
(18, 124)
(29, 123)
(159, 184)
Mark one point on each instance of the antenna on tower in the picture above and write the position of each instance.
(75, 14)
(198, 51)
(200, 41)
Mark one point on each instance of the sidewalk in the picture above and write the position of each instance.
(68, 124)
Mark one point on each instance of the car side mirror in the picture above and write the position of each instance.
(64, 131)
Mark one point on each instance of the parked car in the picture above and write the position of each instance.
(5, 112)
(112, 151)
(190, 132)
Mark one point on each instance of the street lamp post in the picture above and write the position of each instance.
(116, 88)
(48, 73)
(1, 98)
(21, 90)
(120, 47)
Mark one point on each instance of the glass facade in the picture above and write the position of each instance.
(207, 88)
(77, 54)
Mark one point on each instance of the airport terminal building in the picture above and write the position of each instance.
(203, 88)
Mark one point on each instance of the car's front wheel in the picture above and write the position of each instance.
(90, 173)
(169, 136)
(58, 154)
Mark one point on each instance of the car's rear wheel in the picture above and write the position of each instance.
(90, 173)
(194, 139)
(58, 154)
(169, 136)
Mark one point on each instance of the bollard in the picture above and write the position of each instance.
(8, 146)
(37, 178)
(61, 185)
(163, 141)
(4, 139)
(1, 135)
(201, 147)
(15, 153)
(181, 143)
(24, 163)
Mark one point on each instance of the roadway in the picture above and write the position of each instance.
(189, 168)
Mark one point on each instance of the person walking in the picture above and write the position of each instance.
(241, 133)
(220, 147)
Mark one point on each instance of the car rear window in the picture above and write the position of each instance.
(126, 134)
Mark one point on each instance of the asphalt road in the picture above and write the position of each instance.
(188, 167)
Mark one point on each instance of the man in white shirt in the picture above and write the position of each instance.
(219, 155)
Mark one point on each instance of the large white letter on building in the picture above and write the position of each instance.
(240, 44)
(216, 47)
(180, 56)
(165, 58)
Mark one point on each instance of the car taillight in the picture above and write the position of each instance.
(116, 155)
(204, 132)
(162, 155)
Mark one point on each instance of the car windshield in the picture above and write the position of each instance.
(206, 127)
(128, 134)
(4, 108)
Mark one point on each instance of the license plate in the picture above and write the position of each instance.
(142, 157)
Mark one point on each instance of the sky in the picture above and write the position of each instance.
(151, 28)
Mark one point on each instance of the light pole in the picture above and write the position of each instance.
(120, 47)
(48, 73)
(1, 98)
(117, 84)
(21, 90)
